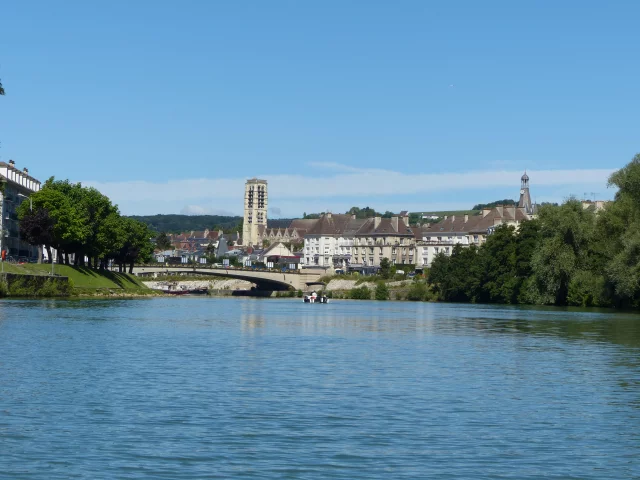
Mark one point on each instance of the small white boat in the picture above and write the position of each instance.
(313, 297)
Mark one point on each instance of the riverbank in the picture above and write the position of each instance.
(35, 280)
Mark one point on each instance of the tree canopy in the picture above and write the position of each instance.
(82, 222)
(506, 201)
(569, 255)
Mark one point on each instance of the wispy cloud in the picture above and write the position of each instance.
(342, 182)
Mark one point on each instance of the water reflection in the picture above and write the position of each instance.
(254, 388)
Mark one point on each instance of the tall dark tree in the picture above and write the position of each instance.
(36, 227)
(163, 242)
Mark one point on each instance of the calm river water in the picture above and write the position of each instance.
(194, 388)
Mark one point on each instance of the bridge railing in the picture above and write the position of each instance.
(192, 267)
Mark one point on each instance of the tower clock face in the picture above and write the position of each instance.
(521, 191)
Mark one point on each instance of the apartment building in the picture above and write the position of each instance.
(343, 241)
(15, 187)
(464, 230)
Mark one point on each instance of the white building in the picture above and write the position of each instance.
(466, 230)
(15, 188)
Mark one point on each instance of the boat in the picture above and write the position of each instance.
(313, 297)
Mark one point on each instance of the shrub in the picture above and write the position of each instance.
(299, 294)
(587, 290)
(418, 292)
(382, 291)
(360, 293)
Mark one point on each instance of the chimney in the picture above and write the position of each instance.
(353, 216)
(485, 212)
(25, 170)
(500, 210)
(376, 222)
(446, 216)
(12, 163)
(394, 223)
(328, 214)
(466, 218)
(453, 218)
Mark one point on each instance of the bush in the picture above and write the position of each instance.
(418, 292)
(587, 290)
(360, 293)
(299, 293)
(382, 291)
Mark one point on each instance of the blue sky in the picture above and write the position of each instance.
(168, 107)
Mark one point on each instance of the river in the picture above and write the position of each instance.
(195, 388)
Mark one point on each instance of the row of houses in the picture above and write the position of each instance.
(345, 242)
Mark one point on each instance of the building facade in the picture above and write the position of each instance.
(467, 230)
(343, 241)
(15, 187)
(255, 211)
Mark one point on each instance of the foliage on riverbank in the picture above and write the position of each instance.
(34, 286)
(82, 280)
(569, 255)
(80, 220)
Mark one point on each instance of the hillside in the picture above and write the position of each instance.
(186, 223)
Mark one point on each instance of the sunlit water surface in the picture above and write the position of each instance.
(187, 388)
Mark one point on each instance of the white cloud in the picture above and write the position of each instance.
(295, 193)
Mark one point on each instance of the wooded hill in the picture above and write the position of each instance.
(187, 223)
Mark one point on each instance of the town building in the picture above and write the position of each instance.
(467, 230)
(292, 232)
(343, 241)
(255, 211)
(15, 187)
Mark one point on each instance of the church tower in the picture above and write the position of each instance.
(525, 197)
(255, 210)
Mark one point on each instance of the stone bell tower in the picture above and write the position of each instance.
(255, 210)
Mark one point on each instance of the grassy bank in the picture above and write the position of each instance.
(86, 281)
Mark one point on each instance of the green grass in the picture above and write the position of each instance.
(85, 280)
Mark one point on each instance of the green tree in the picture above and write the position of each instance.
(497, 268)
(360, 293)
(385, 268)
(382, 291)
(418, 292)
(566, 234)
(164, 243)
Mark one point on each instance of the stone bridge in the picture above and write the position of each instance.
(264, 280)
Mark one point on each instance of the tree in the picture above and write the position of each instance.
(164, 243)
(498, 267)
(382, 291)
(1, 89)
(566, 233)
(36, 227)
(506, 201)
(385, 268)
